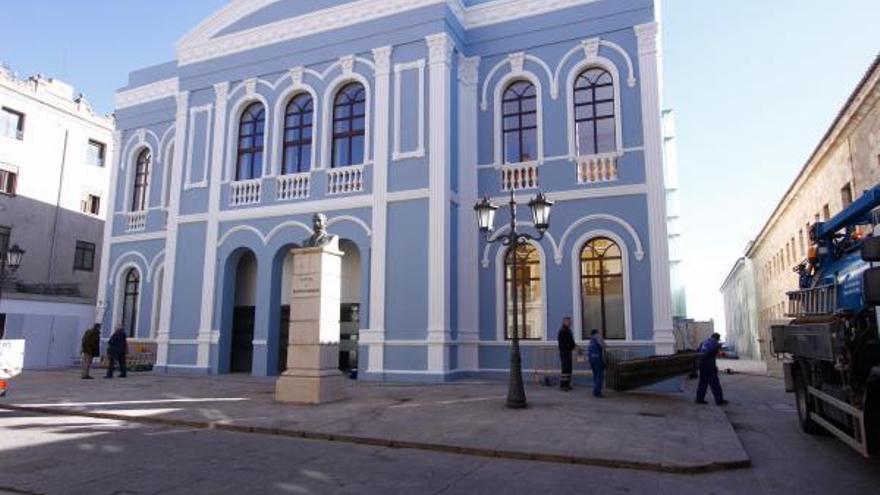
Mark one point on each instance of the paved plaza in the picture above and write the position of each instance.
(65, 449)
(654, 432)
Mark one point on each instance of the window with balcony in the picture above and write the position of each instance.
(520, 122)
(349, 126)
(84, 256)
(251, 133)
(8, 182)
(298, 122)
(141, 181)
(594, 115)
(11, 123)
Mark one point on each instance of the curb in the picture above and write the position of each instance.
(657, 467)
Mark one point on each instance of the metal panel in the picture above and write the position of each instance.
(811, 340)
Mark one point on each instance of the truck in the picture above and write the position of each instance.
(831, 346)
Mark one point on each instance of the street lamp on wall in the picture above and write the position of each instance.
(540, 207)
(13, 258)
(10, 262)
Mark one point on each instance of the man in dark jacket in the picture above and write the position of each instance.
(91, 347)
(709, 371)
(566, 346)
(117, 347)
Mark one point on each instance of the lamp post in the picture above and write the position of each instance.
(485, 209)
(10, 261)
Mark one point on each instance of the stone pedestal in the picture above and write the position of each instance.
(312, 375)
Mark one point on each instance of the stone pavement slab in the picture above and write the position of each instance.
(653, 432)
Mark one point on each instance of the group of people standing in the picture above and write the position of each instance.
(707, 366)
(117, 348)
(595, 354)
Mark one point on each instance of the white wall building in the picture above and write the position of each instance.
(54, 177)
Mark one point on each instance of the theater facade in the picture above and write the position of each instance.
(392, 118)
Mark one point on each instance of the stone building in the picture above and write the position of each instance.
(392, 118)
(55, 156)
(845, 162)
(740, 309)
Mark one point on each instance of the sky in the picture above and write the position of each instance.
(754, 84)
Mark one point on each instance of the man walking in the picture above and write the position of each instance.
(709, 371)
(91, 347)
(565, 338)
(116, 350)
(596, 354)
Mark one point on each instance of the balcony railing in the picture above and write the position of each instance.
(136, 221)
(245, 192)
(520, 176)
(290, 187)
(345, 180)
(812, 302)
(597, 168)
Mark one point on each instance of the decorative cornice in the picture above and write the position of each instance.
(382, 59)
(468, 70)
(440, 48)
(647, 35)
(203, 43)
(158, 90)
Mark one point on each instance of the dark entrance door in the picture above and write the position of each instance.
(349, 324)
(242, 340)
(283, 339)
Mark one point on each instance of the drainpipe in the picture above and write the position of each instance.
(54, 234)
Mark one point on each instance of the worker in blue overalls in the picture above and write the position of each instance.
(709, 370)
(596, 354)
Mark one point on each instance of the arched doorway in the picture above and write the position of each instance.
(279, 308)
(350, 307)
(241, 354)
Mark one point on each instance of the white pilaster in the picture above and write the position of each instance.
(468, 239)
(649, 65)
(177, 168)
(440, 49)
(109, 216)
(375, 336)
(209, 270)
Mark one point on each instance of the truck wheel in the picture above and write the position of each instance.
(805, 407)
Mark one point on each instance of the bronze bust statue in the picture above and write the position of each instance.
(320, 237)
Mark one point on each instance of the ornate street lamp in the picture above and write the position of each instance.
(10, 261)
(485, 209)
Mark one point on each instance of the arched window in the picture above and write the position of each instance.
(131, 294)
(520, 122)
(529, 304)
(298, 135)
(141, 177)
(251, 131)
(349, 125)
(594, 119)
(602, 299)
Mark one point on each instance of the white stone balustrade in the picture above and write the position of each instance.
(245, 192)
(290, 187)
(345, 180)
(597, 168)
(518, 177)
(136, 221)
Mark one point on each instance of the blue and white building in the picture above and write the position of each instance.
(392, 118)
